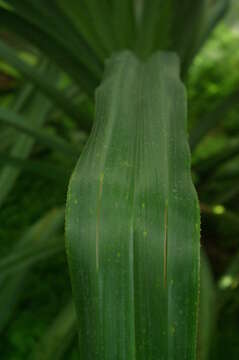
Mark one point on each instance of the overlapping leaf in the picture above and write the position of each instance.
(38, 242)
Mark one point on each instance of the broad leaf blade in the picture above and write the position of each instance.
(132, 222)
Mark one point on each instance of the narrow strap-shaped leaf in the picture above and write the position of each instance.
(26, 257)
(132, 221)
(79, 15)
(10, 293)
(50, 46)
(156, 23)
(18, 122)
(42, 168)
(38, 235)
(35, 107)
(24, 94)
(8, 137)
(58, 337)
(212, 119)
(188, 21)
(64, 28)
(207, 313)
(171, 25)
(208, 168)
(124, 21)
(57, 25)
(100, 16)
(46, 86)
(217, 12)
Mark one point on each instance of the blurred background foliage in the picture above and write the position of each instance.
(45, 122)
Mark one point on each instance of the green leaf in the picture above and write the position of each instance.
(132, 219)
(188, 21)
(10, 293)
(35, 108)
(28, 256)
(41, 235)
(41, 168)
(100, 16)
(155, 24)
(213, 118)
(123, 12)
(10, 118)
(60, 29)
(45, 85)
(25, 95)
(58, 337)
(218, 11)
(38, 236)
(209, 168)
(207, 314)
(38, 247)
(171, 25)
(50, 47)
(79, 15)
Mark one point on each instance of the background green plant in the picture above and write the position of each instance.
(47, 111)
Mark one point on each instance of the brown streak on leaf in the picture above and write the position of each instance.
(165, 244)
(98, 221)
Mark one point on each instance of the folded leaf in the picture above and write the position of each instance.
(132, 220)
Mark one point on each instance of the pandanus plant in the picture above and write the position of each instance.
(132, 217)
